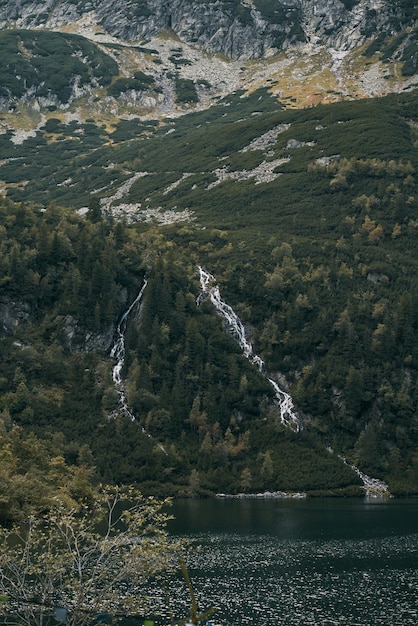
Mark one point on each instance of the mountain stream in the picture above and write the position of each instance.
(288, 415)
(118, 353)
(235, 327)
(372, 486)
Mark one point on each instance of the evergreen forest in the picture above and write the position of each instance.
(308, 219)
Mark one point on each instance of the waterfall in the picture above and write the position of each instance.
(288, 415)
(372, 486)
(118, 353)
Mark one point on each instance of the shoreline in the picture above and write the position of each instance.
(265, 495)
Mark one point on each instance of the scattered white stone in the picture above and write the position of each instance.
(372, 80)
(65, 183)
(122, 191)
(265, 495)
(337, 57)
(327, 160)
(133, 213)
(267, 139)
(263, 173)
(176, 183)
(293, 144)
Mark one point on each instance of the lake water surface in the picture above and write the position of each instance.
(303, 562)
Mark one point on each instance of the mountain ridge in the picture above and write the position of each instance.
(327, 52)
(210, 25)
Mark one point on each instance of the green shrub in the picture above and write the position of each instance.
(186, 91)
(52, 65)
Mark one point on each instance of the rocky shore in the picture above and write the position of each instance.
(265, 495)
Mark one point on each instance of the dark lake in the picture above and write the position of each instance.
(303, 562)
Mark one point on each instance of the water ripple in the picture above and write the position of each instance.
(263, 580)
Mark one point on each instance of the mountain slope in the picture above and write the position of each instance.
(303, 52)
(152, 158)
(308, 221)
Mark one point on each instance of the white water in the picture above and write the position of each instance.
(118, 353)
(372, 486)
(288, 415)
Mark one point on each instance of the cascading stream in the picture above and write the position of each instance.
(288, 415)
(118, 353)
(372, 486)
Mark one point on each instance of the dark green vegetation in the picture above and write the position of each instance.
(34, 471)
(388, 47)
(188, 383)
(185, 91)
(349, 4)
(139, 82)
(405, 11)
(49, 65)
(321, 263)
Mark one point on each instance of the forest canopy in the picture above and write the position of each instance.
(319, 262)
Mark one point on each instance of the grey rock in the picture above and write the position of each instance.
(78, 340)
(238, 31)
(13, 313)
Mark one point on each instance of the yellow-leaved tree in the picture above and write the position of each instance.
(80, 560)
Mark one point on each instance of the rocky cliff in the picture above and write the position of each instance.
(242, 29)
(153, 58)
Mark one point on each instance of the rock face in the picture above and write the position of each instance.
(12, 314)
(77, 340)
(199, 51)
(240, 29)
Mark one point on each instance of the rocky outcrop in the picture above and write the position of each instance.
(233, 29)
(320, 40)
(239, 29)
(78, 340)
(13, 313)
